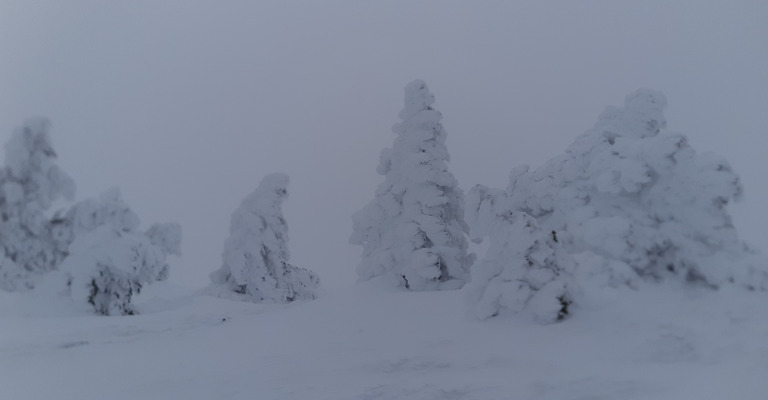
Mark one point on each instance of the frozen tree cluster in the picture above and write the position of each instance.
(413, 232)
(625, 205)
(29, 184)
(626, 202)
(94, 246)
(256, 257)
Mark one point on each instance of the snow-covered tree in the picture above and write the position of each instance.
(102, 257)
(107, 259)
(413, 231)
(255, 257)
(629, 201)
(29, 184)
(524, 266)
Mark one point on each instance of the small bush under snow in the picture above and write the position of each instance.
(108, 260)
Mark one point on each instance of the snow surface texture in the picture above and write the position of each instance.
(29, 184)
(108, 260)
(255, 257)
(367, 343)
(413, 232)
(626, 201)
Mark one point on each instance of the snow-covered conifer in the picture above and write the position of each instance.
(524, 267)
(255, 257)
(29, 184)
(413, 231)
(107, 259)
(628, 200)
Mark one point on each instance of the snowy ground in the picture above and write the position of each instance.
(365, 342)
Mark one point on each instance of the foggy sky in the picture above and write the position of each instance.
(186, 105)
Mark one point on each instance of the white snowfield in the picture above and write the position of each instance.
(368, 342)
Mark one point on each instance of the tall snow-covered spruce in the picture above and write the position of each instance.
(413, 232)
(29, 183)
(255, 257)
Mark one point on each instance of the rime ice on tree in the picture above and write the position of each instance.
(255, 257)
(413, 231)
(524, 267)
(108, 260)
(629, 201)
(102, 259)
(29, 184)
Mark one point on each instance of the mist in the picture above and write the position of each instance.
(186, 105)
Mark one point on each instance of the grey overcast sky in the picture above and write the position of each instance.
(185, 105)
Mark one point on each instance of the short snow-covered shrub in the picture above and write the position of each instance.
(255, 257)
(108, 260)
(524, 267)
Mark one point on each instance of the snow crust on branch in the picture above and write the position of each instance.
(413, 232)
